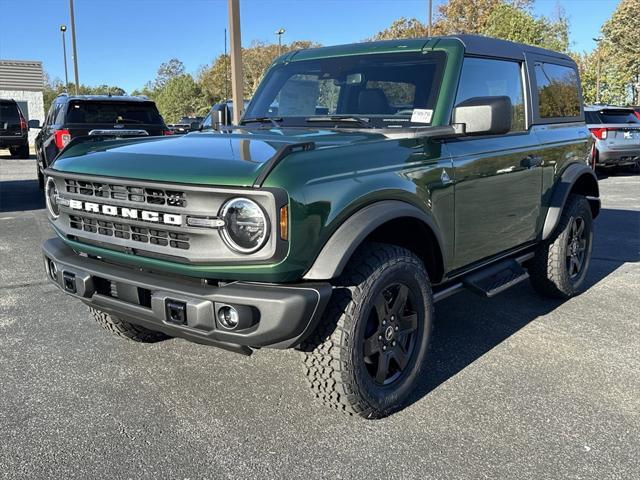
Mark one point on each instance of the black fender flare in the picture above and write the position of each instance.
(352, 232)
(574, 173)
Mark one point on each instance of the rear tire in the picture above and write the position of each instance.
(366, 356)
(560, 266)
(122, 329)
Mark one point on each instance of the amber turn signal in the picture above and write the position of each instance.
(284, 222)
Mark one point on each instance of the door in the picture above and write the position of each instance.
(498, 179)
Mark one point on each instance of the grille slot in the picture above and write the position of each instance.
(151, 196)
(130, 232)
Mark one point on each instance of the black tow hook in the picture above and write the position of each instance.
(69, 281)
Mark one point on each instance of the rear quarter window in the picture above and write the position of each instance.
(558, 91)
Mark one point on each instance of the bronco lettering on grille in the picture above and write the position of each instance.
(123, 212)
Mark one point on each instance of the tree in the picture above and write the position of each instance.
(621, 37)
(53, 88)
(256, 59)
(181, 96)
(402, 28)
(471, 16)
(509, 22)
(166, 71)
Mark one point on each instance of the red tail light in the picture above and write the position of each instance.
(23, 123)
(599, 133)
(168, 132)
(637, 112)
(62, 138)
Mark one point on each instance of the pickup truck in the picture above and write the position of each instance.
(441, 164)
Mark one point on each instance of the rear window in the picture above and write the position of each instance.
(611, 116)
(9, 113)
(113, 113)
(558, 92)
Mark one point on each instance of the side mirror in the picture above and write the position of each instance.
(194, 126)
(220, 116)
(34, 123)
(484, 115)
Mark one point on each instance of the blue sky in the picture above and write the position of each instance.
(122, 42)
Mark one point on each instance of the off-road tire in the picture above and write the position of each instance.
(120, 328)
(334, 362)
(548, 270)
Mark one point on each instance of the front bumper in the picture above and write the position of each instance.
(271, 315)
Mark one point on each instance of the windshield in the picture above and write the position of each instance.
(365, 90)
(113, 112)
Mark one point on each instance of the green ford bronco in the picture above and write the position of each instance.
(364, 184)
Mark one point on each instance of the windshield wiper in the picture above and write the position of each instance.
(275, 121)
(127, 120)
(362, 121)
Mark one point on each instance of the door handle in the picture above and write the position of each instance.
(531, 161)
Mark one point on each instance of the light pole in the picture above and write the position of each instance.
(73, 45)
(597, 40)
(430, 17)
(236, 60)
(63, 29)
(280, 32)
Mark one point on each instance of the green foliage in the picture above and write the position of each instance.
(256, 59)
(621, 41)
(53, 88)
(509, 22)
(181, 96)
(166, 71)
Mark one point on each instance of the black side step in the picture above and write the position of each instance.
(495, 279)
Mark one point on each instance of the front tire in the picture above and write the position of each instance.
(123, 329)
(366, 356)
(560, 266)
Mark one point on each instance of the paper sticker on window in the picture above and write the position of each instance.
(421, 115)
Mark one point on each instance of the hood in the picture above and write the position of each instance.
(210, 158)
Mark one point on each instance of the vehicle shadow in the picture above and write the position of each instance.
(468, 326)
(20, 195)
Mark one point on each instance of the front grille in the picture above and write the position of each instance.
(130, 232)
(152, 196)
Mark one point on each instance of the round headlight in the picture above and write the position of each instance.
(50, 195)
(246, 227)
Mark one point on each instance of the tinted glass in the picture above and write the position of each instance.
(9, 113)
(493, 78)
(112, 112)
(615, 116)
(383, 88)
(558, 94)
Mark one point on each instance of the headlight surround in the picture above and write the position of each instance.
(50, 195)
(246, 228)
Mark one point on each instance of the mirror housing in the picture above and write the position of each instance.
(34, 123)
(484, 115)
(220, 115)
(195, 126)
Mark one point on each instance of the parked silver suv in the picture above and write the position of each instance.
(617, 134)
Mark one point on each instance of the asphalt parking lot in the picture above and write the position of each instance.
(516, 387)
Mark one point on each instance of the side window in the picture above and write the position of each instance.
(49, 116)
(558, 94)
(59, 113)
(483, 77)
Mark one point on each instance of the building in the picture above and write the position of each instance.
(23, 81)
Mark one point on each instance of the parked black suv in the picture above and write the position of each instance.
(82, 116)
(14, 131)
